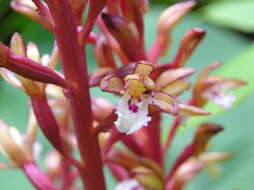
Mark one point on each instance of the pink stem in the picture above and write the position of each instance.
(153, 146)
(37, 177)
(75, 71)
(171, 135)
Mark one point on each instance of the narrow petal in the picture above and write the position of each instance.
(223, 100)
(177, 88)
(132, 114)
(143, 68)
(112, 84)
(98, 75)
(165, 102)
(188, 110)
(170, 76)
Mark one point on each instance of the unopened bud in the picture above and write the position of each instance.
(17, 45)
(167, 21)
(148, 178)
(187, 171)
(25, 7)
(103, 137)
(204, 133)
(188, 44)
(172, 15)
(103, 53)
(124, 35)
(53, 164)
(12, 144)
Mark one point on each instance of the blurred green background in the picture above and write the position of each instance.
(230, 29)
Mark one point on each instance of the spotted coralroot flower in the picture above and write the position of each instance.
(214, 88)
(138, 92)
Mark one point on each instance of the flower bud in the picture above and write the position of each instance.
(172, 15)
(12, 145)
(25, 7)
(38, 12)
(53, 164)
(184, 174)
(148, 178)
(187, 45)
(204, 133)
(199, 144)
(167, 21)
(103, 53)
(18, 47)
(124, 35)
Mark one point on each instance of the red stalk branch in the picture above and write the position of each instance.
(75, 71)
(153, 135)
(171, 135)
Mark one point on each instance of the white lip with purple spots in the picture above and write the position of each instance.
(132, 114)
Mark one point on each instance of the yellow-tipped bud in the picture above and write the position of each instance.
(12, 144)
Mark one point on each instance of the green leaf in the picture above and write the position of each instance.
(236, 14)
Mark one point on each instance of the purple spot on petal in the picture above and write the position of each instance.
(132, 107)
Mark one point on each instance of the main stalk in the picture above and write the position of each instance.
(75, 72)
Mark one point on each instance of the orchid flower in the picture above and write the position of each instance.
(214, 87)
(138, 92)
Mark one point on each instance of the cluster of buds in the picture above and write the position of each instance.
(73, 121)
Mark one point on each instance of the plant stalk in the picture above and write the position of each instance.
(75, 71)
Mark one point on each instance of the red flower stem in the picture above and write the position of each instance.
(171, 135)
(67, 179)
(37, 177)
(49, 125)
(155, 52)
(75, 71)
(95, 7)
(153, 147)
(173, 130)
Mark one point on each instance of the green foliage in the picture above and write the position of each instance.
(237, 14)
